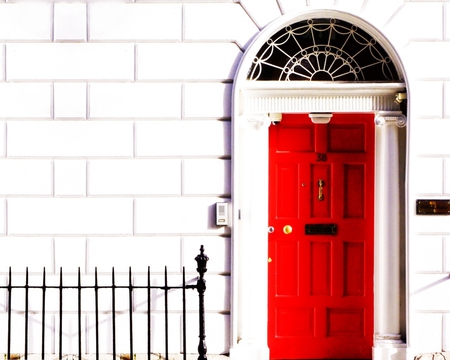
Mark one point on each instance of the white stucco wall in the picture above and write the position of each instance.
(115, 123)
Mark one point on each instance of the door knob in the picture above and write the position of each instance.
(287, 229)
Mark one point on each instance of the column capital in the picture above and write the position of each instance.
(390, 117)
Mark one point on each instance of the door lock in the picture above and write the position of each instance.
(321, 184)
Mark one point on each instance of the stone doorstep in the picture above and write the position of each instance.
(433, 356)
(109, 357)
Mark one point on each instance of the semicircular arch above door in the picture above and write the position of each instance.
(323, 49)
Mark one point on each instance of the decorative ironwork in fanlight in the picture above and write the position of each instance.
(322, 50)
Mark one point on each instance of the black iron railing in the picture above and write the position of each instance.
(61, 290)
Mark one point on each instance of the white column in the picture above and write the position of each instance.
(387, 338)
(250, 252)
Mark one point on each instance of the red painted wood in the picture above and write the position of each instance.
(321, 286)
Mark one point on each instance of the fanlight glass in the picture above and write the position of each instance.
(323, 50)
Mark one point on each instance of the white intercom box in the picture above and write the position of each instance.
(221, 213)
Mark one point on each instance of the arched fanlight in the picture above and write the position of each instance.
(323, 50)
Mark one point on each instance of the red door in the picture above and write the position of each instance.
(321, 211)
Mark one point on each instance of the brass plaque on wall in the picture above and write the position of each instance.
(320, 229)
(433, 207)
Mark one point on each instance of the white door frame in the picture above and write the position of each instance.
(255, 105)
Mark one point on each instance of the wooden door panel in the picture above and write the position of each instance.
(287, 199)
(320, 268)
(287, 271)
(294, 322)
(348, 322)
(295, 138)
(346, 138)
(354, 190)
(354, 265)
(321, 285)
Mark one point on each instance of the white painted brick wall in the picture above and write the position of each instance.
(115, 139)
(74, 61)
(216, 26)
(109, 21)
(104, 159)
(409, 15)
(26, 100)
(70, 178)
(177, 215)
(172, 138)
(428, 336)
(70, 22)
(3, 219)
(70, 216)
(447, 99)
(135, 100)
(159, 61)
(426, 252)
(262, 11)
(20, 252)
(205, 100)
(433, 135)
(26, 177)
(431, 298)
(137, 252)
(214, 182)
(70, 100)
(70, 138)
(432, 91)
(426, 176)
(414, 66)
(26, 21)
(446, 21)
(135, 177)
(380, 12)
(70, 253)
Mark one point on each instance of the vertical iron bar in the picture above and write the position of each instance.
(149, 322)
(79, 314)
(60, 311)
(130, 305)
(184, 314)
(9, 315)
(114, 312)
(26, 312)
(166, 312)
(96, 315)
(201, 259)
(43, 314)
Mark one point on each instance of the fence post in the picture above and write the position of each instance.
(201, 259)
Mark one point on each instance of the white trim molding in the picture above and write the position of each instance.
(262, 97)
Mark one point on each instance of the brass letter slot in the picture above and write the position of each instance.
(433, 207)
(320, 229)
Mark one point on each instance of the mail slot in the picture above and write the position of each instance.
(433, 207)
(320, 229)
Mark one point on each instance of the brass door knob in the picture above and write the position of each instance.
(287, 229)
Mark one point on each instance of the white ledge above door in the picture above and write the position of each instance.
(263, 97)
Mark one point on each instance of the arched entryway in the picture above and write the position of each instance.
(320, 63)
